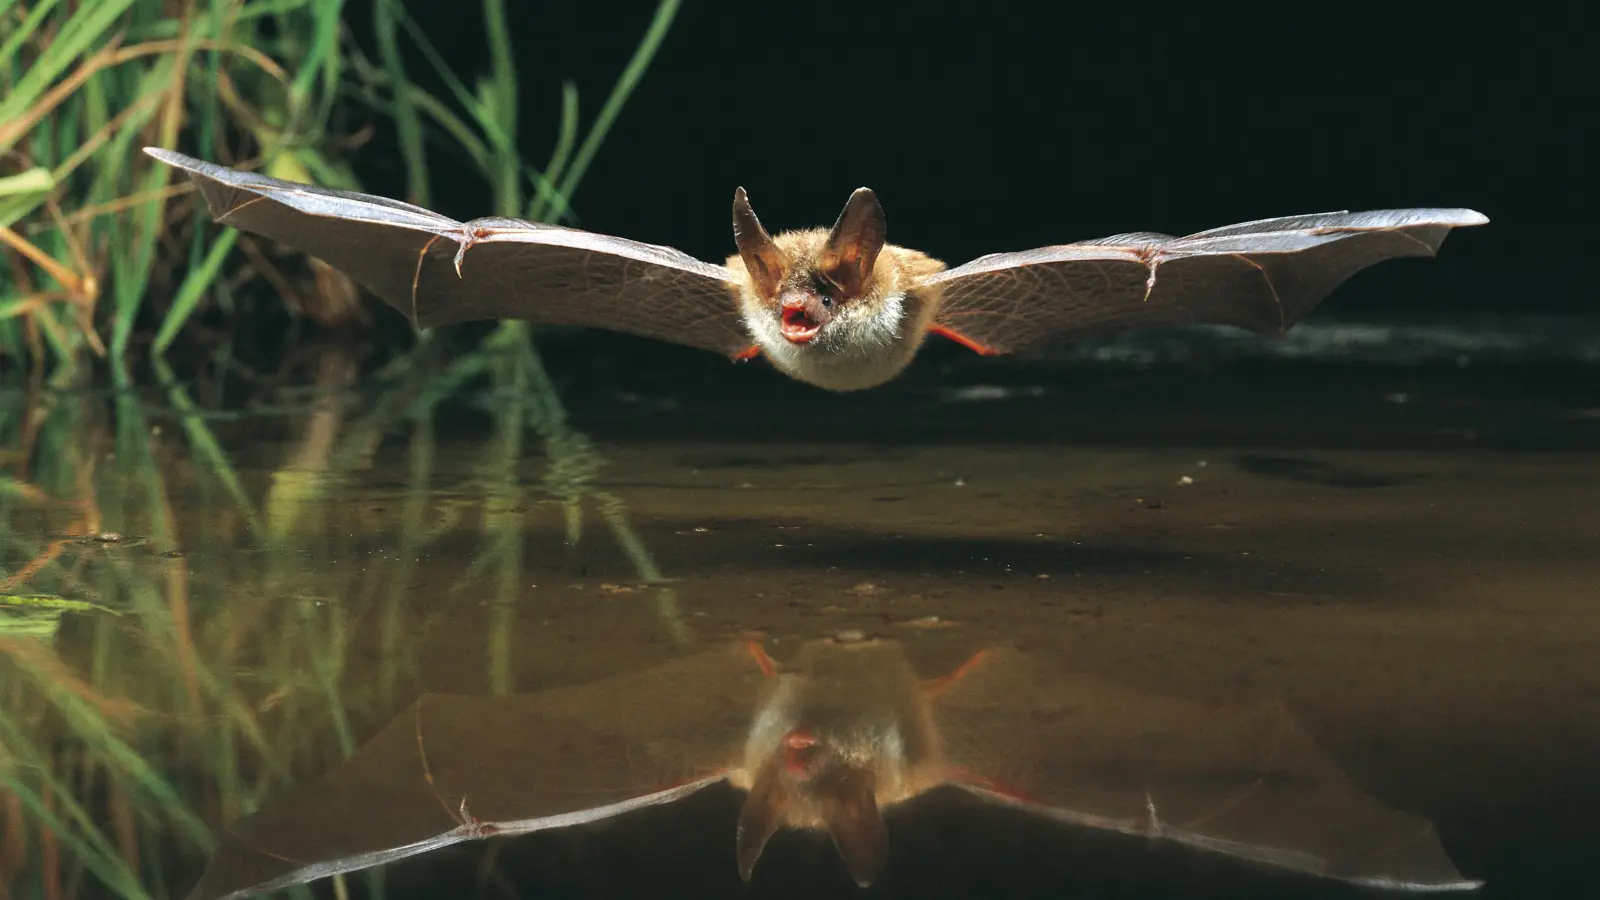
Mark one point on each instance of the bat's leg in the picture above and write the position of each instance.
(933, 687)
(945, 331)
(967, 776)
(688, 779)
(759, 654)
(748, 353)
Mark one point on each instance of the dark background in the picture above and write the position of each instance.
(986, 126)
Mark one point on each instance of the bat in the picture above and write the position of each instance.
(836, 308)
(831, 742)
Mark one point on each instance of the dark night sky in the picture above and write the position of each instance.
(989, 126)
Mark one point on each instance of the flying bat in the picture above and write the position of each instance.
(833, 741)
(837, 308)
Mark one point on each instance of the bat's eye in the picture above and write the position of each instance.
(824, 290)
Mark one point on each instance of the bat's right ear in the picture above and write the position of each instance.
(851, 813)
(759, 819)
(854, 243)
(762, 258)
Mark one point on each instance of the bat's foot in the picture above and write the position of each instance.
(975, 346)
(933, 687)
(752, 645)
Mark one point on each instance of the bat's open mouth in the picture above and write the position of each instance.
(799, 747)
(797, 326)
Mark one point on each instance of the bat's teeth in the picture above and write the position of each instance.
(797, 325)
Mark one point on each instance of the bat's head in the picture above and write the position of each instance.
(844, 733)
(816, 782)
(815, 283)
(838, 308)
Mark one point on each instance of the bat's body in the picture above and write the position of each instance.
(841, 308)
(861, 344)
(843, 733)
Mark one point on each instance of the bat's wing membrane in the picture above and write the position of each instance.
(454, 768)
(1263, 276)
(438, 271)
(1245, 782)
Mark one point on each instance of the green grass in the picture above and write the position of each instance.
(99, 268)
(83, 85)
(107, 264)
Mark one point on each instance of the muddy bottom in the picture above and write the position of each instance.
(1404, 563)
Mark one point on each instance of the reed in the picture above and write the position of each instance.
(169, 701)
(98, 269)
(82, 86)
(157, 694)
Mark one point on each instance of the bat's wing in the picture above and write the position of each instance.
(439, 271)
(1263, 276)
(454, 768)
(1245, 782)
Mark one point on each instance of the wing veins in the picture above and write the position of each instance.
(1277, 300)
(416, 275)
(238, 206)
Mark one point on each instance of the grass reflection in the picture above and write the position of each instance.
(228, 625)
(189, 630)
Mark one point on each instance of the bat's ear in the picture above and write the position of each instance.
(762, 258)
(759, 819)
(851, 812)
(854, 243)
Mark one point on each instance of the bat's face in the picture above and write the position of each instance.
(841, 736)
(835, 307)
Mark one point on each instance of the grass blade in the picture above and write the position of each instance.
(642, 56)
(194, 286)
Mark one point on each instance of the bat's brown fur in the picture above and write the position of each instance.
(857, 327)
(871, 337)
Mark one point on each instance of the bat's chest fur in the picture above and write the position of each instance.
(877, 723)
(859, 348)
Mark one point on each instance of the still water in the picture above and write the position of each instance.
(1285, 615)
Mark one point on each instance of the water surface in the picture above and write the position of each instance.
(1405, 559)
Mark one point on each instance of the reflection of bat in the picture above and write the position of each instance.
(831, 742)
(840, 309)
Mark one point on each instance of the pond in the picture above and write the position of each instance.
(1289, 615)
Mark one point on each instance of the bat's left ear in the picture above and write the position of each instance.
(759, 819)
(854, 243)
(762, 258)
